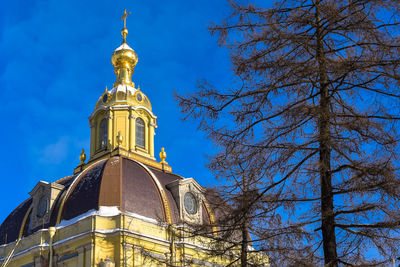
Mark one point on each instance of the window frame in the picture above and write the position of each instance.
(103, 134)
(142, 126)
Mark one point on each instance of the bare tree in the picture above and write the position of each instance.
(237, 214)
(315, 109)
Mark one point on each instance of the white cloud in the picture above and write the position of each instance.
(55, 153)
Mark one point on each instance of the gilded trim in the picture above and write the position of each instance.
(21, 230)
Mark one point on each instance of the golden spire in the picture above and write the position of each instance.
(124, 31)
(124, 59)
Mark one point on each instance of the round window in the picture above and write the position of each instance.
(105, 97)
(190, 203)
(139, 97)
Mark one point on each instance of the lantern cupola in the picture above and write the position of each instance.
(123, 122)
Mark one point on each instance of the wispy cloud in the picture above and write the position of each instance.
(56, 152)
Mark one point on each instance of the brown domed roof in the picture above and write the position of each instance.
(131, 186)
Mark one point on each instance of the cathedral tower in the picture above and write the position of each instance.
(122, 121)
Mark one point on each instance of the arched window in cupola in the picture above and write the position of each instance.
(140, 133)
(103, 134)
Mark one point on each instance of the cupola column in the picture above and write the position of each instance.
(92, 138)
(151, 138)
(131, 130)
(110, 129)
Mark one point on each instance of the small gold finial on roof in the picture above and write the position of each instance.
(124, 31)
(106, 89)
(119, 138)
(82, 156)
(163, 155)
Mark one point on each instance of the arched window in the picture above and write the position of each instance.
(103, 133)
(140, 139)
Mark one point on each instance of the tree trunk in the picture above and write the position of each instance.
(328, 220)
(245, 232)
(243, 255)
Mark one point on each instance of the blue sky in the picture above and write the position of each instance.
(55, 63)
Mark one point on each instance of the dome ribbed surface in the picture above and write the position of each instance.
(117, 181)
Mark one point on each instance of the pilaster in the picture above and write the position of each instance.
(151, 139)
(137, 256)
(92, 138)
(81, 256)
(89, 255)
(131, 130)
(110, 134)
(128, 259)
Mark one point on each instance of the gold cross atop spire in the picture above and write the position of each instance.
(124, 17)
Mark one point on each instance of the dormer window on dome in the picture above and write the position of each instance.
(188, 195)
(44, 196)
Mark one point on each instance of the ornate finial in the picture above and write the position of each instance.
(119, 138)
(138, 88)
(106, 89)
(124, 17)
(124, 59)
(82, 156)
(163, 155)
(124, 31)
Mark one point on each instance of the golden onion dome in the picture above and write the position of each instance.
(125, 56)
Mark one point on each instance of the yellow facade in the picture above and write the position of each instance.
(123, 239)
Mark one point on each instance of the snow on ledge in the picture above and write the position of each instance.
(104, 211)
(108, 211)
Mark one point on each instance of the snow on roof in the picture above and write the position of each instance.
(123, 88)
(123, 46)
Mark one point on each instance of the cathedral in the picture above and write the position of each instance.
(121, 206)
